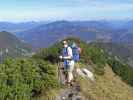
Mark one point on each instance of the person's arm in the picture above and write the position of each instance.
(70, 54)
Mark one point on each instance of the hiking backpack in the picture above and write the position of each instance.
(76, 53)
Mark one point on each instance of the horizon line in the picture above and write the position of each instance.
(25, 21)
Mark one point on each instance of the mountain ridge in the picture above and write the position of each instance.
(86, 30)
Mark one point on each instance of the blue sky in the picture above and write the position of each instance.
(42, 10)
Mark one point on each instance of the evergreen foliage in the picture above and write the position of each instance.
(23, 79)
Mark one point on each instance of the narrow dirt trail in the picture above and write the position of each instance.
(68, 92)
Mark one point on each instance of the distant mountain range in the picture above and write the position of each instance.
(17, 27)
(10, 45)
(43, 34)
(46, 34)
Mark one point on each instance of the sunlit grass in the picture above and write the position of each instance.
(107, 87)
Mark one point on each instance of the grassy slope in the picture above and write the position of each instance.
(107, 87)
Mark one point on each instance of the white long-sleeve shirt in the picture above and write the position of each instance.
(70, 54)
(69, 58)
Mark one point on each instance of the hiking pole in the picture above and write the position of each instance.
(59, 71)
(60, 75)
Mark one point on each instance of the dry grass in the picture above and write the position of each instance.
(106, 87)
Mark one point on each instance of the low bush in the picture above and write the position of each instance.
(23, 79)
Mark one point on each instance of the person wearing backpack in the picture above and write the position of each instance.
(76, 52)
(76, 57)
(67, 57)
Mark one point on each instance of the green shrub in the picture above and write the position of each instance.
(94, 54)
(50, 54)
(22, 79)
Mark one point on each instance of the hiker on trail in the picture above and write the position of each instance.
(76, 57)
(67, 57)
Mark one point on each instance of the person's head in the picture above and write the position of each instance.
(65, 44)
(74, 45)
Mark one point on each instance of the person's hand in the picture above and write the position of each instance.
(60, 57)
